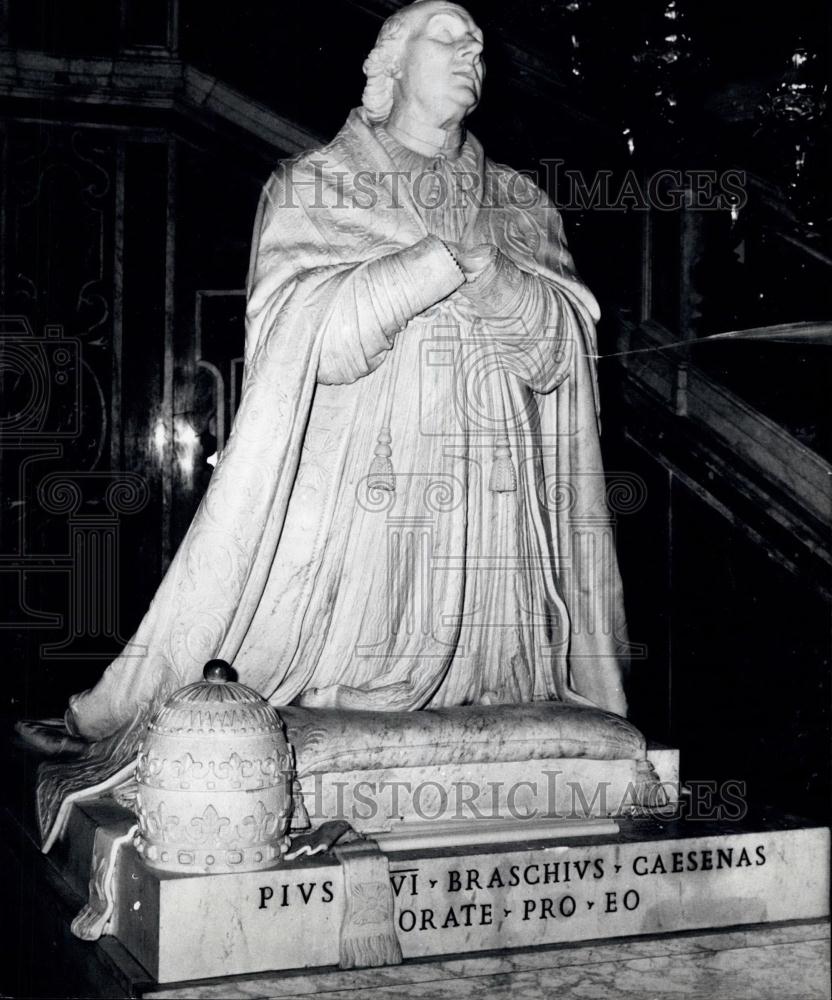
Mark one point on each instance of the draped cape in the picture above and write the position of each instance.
(308, 253)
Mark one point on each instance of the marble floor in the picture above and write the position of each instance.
(785, 962)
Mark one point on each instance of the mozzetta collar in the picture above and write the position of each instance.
(426, 139)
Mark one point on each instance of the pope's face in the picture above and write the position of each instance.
(441, 67)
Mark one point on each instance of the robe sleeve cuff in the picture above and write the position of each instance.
(402, 285)
(387, 294)
(431, 273)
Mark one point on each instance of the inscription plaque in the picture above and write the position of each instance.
(450, 902)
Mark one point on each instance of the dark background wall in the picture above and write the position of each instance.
(130, 242)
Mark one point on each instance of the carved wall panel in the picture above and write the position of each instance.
(120, 369)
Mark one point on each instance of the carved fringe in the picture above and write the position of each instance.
(371, 951)
(381, 475)
(503, 476)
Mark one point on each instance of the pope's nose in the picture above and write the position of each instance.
(469, 47)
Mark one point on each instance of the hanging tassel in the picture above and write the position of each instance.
(503, 477)
(381, 476)
(649, 794)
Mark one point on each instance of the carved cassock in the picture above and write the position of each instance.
(410, 510)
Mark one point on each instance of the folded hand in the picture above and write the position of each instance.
(473, 259)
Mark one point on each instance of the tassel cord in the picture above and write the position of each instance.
(503, 477)
(382, 474)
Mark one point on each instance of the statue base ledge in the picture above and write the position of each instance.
(375, 801)
(771, 962)
(650, 877)
(429, 834)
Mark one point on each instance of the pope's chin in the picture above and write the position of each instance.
(465, 92)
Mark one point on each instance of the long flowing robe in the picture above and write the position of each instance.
(363, 339)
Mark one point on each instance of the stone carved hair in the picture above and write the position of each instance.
(381, 65)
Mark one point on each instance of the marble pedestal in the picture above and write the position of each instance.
(648, 878)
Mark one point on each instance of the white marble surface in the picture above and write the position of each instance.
(462, 902)
(187, 927)
(378, 799)
(786, 962)
(565, 892)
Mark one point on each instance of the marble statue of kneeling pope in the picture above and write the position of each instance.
(410, 512)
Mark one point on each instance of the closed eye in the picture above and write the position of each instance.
(444, 35)
(447, 28)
